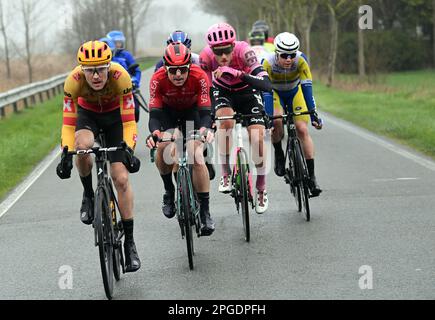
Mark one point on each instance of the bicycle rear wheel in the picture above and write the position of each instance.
(244, 200)
(187, 214)
(104, 229)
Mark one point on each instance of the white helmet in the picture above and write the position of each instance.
(286, 42)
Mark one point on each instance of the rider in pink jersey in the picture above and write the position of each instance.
(238, 79)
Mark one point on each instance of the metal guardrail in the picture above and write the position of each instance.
(25, 96)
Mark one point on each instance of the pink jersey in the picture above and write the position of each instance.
(244, 59)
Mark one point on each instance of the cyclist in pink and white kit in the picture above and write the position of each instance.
(238, 78)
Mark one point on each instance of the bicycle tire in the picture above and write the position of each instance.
(303, 182)
(294, 174)
(104, 230)
(244, 200)
(187, 214)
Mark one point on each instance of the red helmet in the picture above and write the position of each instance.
(177, 54)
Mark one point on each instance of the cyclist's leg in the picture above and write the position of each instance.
(252, 104)
(86, 130)
(200, 177)
(113, 130)
(278, 134)
(301, 123)
(223, 106)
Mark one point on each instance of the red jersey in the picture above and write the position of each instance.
(194, 93)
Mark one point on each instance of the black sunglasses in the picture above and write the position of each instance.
(174, 69)
(286, 55)
(221, 51)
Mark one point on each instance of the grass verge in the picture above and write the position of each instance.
(28, 136)
(402, 109)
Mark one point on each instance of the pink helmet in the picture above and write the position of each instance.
(220, 34)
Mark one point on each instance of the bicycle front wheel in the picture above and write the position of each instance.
(244, 200)
(293, 172)
(187, 214)
(104, 229)
(303, 183)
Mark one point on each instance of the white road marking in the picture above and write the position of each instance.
(18, 192)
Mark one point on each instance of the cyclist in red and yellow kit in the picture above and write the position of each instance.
(98, 96)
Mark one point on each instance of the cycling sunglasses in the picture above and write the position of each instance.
(223, 50)
(92, 70)
(174, 69)
(285, 56)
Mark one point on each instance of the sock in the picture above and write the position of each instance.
(87, 185)
(225, 164)
(278, 147)
(310, 165)
(261, 179)
(204, 199)
(128, 230)
(167, 181)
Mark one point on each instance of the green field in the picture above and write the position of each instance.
(27, 137)
(401, 106)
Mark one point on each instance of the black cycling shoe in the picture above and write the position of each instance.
(314, 187)
(207, 224)
(279, 167)
(168, 207)
(87, 210)
(132, 261)
(211, 171)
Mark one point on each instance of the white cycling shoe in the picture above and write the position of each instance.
(225, 184)
(261, 202)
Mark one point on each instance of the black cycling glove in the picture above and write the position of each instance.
(65, 166)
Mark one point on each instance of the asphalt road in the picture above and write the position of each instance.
(377, 210)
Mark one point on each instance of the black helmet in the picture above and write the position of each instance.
(261, 25)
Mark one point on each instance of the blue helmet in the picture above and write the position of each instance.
(179, 36)
(117, 36)
(110, 43)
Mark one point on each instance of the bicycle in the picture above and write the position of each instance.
(187, 203)
(241, 176)
(107, 223)
(296, 173)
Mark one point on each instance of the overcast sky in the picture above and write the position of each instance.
(164, 17)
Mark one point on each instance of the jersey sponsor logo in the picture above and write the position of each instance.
(128, 102)
(153, 88)
(68, 105)
(135, 137)
(77, 76)
(117, 75)
(204, 91)
(251, 58)
(126, 91)
(67, 94)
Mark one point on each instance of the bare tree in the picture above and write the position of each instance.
(31, 12)
(5, 39)
(305, 12)
(433, 30)
(136, 11)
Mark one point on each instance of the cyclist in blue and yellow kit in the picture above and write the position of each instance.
(292, 84)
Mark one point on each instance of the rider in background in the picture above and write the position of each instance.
(179, 95)
(292, 88)
(181, 37)
(238, 79)
(112, 47)
(262, 26)
(257, 40)
(124, 57)
(98, 97)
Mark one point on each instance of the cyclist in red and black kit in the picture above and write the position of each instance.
(179, 97)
